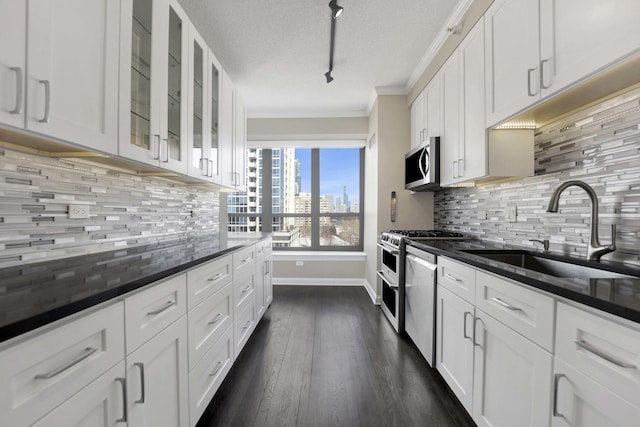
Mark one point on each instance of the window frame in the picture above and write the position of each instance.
(267, 215)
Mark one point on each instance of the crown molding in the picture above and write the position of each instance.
(319, 114)
(384, 90)
(454, 19)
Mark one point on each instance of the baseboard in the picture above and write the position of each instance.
(315, 281)
(372, 293)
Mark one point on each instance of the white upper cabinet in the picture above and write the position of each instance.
(426, 113)
(512, 57)
(13, 33)
(199, 129)
(212, 136)
(580, 37)
(154, 83)
(450, 142)
(233, 140)
(65, 84)
(536, 48)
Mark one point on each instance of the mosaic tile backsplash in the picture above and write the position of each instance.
(600, 146)
(125, 209)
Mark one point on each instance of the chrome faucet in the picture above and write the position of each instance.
(545, 243)
(594, 250)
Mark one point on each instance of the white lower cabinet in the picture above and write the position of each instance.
(208, 374)
(101, 404)
(501, 377)
(157, 382)
(454, 344)
(38, 375)
(580, 401)
(511, 377)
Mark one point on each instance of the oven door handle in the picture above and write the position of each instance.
(387, 281)
(422, 262)
(388, 249)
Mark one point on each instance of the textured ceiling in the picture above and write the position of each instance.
(277, 51)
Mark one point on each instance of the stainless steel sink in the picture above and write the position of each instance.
(546, 265)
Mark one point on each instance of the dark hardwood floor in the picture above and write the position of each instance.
(326, 356)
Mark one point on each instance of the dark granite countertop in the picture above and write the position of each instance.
(620, 297)
(36, 294)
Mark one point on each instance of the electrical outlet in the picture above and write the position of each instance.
(512, 214)
(299, 263)
(79, 212)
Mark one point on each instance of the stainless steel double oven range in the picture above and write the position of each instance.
(392, 247)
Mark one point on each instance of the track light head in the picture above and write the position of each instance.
(328, 76)
(336, 10)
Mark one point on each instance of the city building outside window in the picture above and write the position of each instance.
(315, 198)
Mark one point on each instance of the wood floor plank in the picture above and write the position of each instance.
(326, 356)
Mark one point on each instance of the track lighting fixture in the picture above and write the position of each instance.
(336, 11)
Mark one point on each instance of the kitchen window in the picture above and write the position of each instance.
(315, 202)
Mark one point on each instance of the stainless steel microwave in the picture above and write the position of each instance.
(422, 166)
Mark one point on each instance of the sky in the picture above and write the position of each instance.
(338, 167)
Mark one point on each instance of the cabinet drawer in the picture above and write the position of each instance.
(208, 321)
(243, 325)
(207, 279)
(243, 261)
(458, 278)
(41, 373)
(525, 311)
(607, 352)
(208, 374)
(150, 311)
(244, 289)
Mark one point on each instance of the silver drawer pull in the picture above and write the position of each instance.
(588, 347)
(247, 259)
(246, 325)
(167, 306)
(245, 290)
(85, 355)
(214, 321)
(506, 305)
(214, 278)
(215, 371)
(455, 279)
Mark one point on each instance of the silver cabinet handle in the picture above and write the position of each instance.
(47, 101)
(203, 171)
(453, 168)
(84, 355)
(529, 71)
(245, 290)
(506, 305)
(455, 279)
(542, 64)
(18, 107)
(140, 365)
(475, 342)
(157, 135)
(267, 267)
(247, 259)
(123, 384)
(460, 166)
(588, 347)
(166, 144)
(246, 325)
(216, 370)
(210, 169)
(214, 278)
(464, 326)
(167, 306)
(214, 321)
(556, 382)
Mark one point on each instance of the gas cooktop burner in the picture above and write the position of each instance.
(427, 233)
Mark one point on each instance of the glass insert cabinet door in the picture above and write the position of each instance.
(154, 83)
(203, 110)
